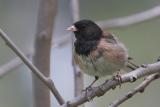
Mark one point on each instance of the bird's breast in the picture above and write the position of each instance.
(99, 66)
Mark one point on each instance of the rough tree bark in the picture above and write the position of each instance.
(47, 12)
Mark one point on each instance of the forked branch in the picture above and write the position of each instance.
(110, 84)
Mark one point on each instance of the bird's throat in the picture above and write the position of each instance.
(85, 47)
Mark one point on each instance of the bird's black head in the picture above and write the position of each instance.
(87, 35)
(86, 30)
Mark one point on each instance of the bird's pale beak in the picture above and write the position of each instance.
(72, 28)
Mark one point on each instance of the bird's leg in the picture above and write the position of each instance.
(90, 86)
(96, 78)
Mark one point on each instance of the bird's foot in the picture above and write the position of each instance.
(118, 78)
(87, 89)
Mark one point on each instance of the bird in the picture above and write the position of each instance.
(97, 53)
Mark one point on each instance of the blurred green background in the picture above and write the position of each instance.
(18, 19)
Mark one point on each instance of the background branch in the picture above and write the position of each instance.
(9, 66)
(42, 44)
(75, 10)
(131, 19)
(78, 76)
(48, 82)
(121, 22)
(139, 88)
(110, 84)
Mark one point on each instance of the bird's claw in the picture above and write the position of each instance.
(118, 78)
(87, 89)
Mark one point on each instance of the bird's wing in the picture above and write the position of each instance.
(130, 64)
(114, 51)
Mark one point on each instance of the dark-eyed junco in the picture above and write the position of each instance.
(97, 53)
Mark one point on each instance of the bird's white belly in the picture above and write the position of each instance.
(99, 67)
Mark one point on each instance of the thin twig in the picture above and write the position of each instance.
(110, 84)
(139, 88)
(47, 81)
(131, 19)
(10, 65)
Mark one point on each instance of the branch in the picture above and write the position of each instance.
(131, 19)
(41, 58)
(140, 89)
(110, 84)
(47, 81)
